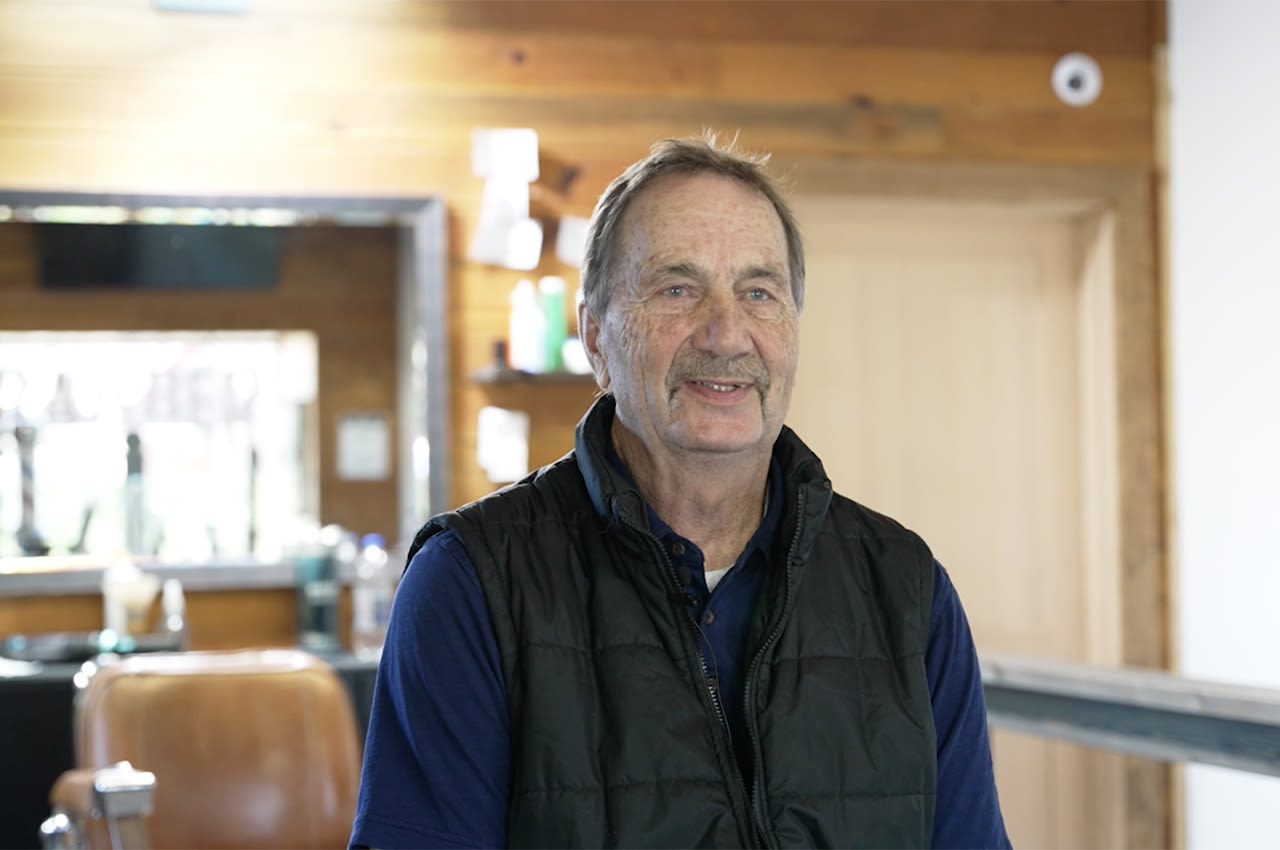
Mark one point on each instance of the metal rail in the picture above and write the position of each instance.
(1142, 712)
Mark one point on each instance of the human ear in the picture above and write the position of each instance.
(590, 331)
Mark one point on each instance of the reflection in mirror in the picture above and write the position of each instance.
(189, 447)
(206, 433)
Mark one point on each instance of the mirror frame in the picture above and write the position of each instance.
(422, 396)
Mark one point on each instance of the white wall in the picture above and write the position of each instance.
(1224, 184)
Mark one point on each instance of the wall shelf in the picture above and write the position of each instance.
(492, 375)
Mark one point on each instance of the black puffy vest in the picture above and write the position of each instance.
(614, 737)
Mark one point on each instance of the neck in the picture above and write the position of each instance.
(714, 500)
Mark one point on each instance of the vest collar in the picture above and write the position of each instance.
(615, 497)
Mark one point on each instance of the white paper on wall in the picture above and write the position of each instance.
(364, 446)
(508, 153)
(571, 240)
(505, 235)
(502, 444)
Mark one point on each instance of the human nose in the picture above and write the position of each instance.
(723, 326)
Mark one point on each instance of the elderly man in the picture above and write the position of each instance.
(677, 635)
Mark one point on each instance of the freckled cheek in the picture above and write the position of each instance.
(783, 350)
(652, 339)
(636, 352)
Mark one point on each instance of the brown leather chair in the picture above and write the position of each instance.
(252, 749)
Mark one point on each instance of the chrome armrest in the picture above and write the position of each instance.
(120, 794)
(59, 832)
(122, 791)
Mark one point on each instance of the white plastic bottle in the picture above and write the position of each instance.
(526, 343)
(372, 589)
(174, 605)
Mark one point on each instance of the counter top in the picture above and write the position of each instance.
(344, 663)
(81, 574)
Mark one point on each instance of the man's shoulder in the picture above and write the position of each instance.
(554, 495)
(888, 548)
(856, 517)
(555, 491)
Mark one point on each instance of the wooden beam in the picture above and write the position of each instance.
(1112, 27)
(176, 73)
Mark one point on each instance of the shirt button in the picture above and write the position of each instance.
(677, 548)
(709, 617)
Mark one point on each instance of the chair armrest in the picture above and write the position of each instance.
(119, 794)
(73, 793)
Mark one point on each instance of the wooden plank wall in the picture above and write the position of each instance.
(350, 97)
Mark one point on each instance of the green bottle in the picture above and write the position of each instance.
(552, 292)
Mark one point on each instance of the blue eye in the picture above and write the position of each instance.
(758, 294)
(675, 290)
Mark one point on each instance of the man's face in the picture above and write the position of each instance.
(700, 340)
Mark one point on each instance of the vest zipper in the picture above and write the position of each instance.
(682, 598)
(714, 690)
(757, 750)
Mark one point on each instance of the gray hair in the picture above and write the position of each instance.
(686, 156)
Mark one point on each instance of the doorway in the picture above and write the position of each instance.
(961, 366)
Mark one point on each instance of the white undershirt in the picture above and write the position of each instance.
(714, 576)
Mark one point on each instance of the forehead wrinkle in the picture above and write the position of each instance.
(693, 271)
(641, 242)
(680, 268)
(766, 272)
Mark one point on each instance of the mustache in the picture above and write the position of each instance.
(692, 364)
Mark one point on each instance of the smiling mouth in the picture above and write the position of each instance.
(718, 375)
(721, 387)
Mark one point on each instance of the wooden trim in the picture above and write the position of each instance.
(1100, 417)
(1160, 202)
(311, 209)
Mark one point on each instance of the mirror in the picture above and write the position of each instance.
(214, 390)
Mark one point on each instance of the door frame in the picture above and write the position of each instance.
(1121, 199)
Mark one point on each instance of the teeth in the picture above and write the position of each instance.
(720, 388)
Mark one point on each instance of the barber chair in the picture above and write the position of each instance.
(247, 749)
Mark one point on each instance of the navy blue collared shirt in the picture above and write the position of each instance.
(722, 616)
(437, 756)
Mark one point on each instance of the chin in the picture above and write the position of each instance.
(719, 441)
